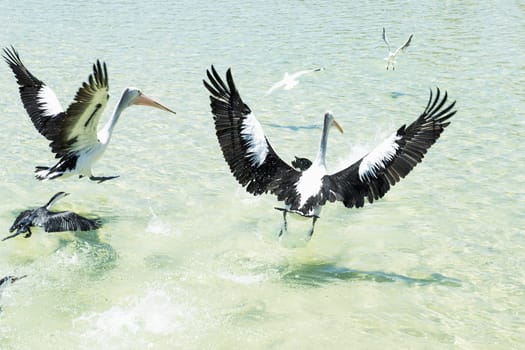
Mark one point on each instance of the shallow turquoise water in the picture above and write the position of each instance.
(188, 259)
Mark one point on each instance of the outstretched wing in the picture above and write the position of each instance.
(392, 160)
(69, 221)
(39, 100)
(79, 129)
(276, 86)
(69, 130)
(403, 47)
(385, 39)
(245, 148)
(306, 71)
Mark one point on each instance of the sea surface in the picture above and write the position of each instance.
(187, 259)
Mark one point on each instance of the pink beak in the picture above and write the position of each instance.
(147, 101)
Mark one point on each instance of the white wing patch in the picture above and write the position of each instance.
(49, 102)
(377, 159)
(310, 183)
(252, 132)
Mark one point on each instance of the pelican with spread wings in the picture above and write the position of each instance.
(74, 135)
(306, 186)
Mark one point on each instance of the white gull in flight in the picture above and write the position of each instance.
(391, 59)
(289, 81)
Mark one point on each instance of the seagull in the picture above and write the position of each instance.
(391, 59)
(289, 81)
(73, 132)
(305, 188)
(51, 221)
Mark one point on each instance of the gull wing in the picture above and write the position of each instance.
(385, 39)
(276, 86)
(403, 47)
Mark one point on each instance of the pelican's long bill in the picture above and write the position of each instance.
(14, 279)
(148, 101)
(338, 126)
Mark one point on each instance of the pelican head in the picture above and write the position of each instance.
(133, 96)
(330, 121)
(10, 279)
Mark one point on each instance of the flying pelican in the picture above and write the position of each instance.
(51, 221)
(256, 165)
(73, 133)
(391, 59)
(289, 81)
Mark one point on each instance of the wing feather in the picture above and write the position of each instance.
(79, 128)
(403, 47)
(374, 174)
(251, 158)
(38, 99)
(69, 130)
(385, 39)
(69, 221)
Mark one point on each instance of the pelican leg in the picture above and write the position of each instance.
(284, 228)
(28, 234)
(313, 224)
(101, 179)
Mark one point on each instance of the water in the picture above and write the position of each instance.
(188, 259)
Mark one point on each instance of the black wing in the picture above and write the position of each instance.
(246, 149)
(40, 101)
(69, 130)
(392, 160)
(20, 217)
(69, 221)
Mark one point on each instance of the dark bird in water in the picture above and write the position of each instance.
(51, 221)
(255, 164)
(9, 280)
(73, 133)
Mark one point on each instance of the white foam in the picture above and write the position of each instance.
(154, 313)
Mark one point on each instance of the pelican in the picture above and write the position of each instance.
(391, 59)
(9, 280)
(73, 133)
(255, 164)
(289, 81)
(51, 221)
